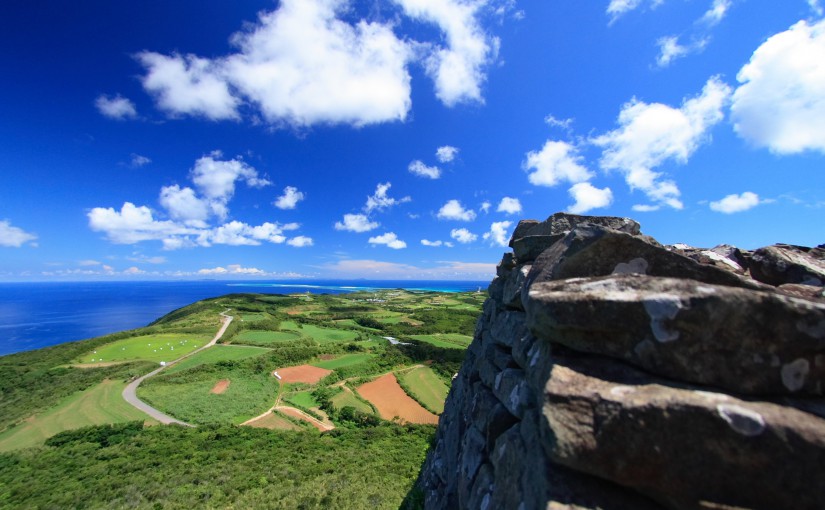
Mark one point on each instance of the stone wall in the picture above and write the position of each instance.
(609, 371)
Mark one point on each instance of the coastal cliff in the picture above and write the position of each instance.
(609, 371)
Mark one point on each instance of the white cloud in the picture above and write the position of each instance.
(356, 223)
(717, 12)
(215, 179)
(289, 199)
(589, 197)
(133, 271)
(462, 235)
(670, 50)
(236, 233)
(420, 169)
(183, 204)
(232, 269)
(509, 205)
(459, 69)
(646, 208)
(138, 161)
(436, 244)
(485, 207)
(188, 85)
(446, 153)
(390, 240)
(14, 237)
(300, 241)
(88, 262)
(780, 103)
(498, 235)
(147, 260)
(618, 8)
(736, 203)
(650, 134)
(117, 107)
(552, 121)
(453, 210)
(380, 201)
(556, 162)
(816, 7)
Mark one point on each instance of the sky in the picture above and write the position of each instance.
(396, 139)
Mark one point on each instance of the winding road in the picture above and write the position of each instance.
(130, 392)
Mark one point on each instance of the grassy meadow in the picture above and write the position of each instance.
(159, 347)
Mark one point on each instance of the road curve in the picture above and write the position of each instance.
(130, 392)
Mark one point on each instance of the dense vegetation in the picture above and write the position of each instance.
(216, 467)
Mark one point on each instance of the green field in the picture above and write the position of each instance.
(252, 317)
(266, 337)
(343, 361)
(302, 399)
(327, 335)
(161, 347)
(289, 325)
(98, 405)
(445, 340)
(215, 354)
(187, 395)
(346, 398)
(426, 387)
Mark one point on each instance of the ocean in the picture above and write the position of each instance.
(35, 315)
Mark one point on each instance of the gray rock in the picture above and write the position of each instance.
(684, 447)
(506, 265)
(595, 251)
(521, 229)
(782, 263)
(513, 287)
(689, 331)
(527, 248)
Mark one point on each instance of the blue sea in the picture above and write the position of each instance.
(35, 315)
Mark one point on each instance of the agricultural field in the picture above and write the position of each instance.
(160, 347)
(302, 399)
(445, 340)
(343, 361)
(346, 398)
(258, 337)
(393, 403)
(98, 405)
(215, 354)
(275, 421)
(426, 387)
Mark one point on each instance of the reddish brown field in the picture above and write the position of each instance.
(303, 373)
(220, 386)
(391, 401)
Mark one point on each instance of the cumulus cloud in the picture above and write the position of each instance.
(188, 85)
(216, 178)
(300, 241)
(498, 235)
(589, 197)
(389, 239)
(446, 153)
(117, 107)
(298, 65)
(435, 244)
(14, 237)
(617, 8)
(717, 12)
(289, 199)
(509, 205)
(462, 235)
(420, 169)
(650, 134)
(485, 207)
(232, 269)
(184, 205)
(458, 69)
(780, 104)
(670, 50)
(556, 162)
(736, 203)
(356, 223)
(453, 210)
(380, 200)
(646, 208)
(816, 7)
(552, 121)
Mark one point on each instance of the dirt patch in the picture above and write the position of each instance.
(273, 421)
(302, 374)
(391, 401)
(220, 386)
(294, 413)
(326, 357)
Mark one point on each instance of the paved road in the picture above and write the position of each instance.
(130, 393)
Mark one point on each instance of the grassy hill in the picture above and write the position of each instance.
(327, 347)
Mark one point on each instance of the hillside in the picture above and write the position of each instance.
(329, 390)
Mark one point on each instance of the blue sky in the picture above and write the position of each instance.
(390, 139)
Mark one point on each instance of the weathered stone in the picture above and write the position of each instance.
(527, 248)
(481, 493)
(681, 446)
(496, 289)
(521, 229)
(472, 455)
(513, 286)
(508, 457)
(724, 256)
(591, 250)
(803, 291)
(685, 330)
(782, 263)
(511, 389)
(506, 265)
(508, 327)
(561, 223)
